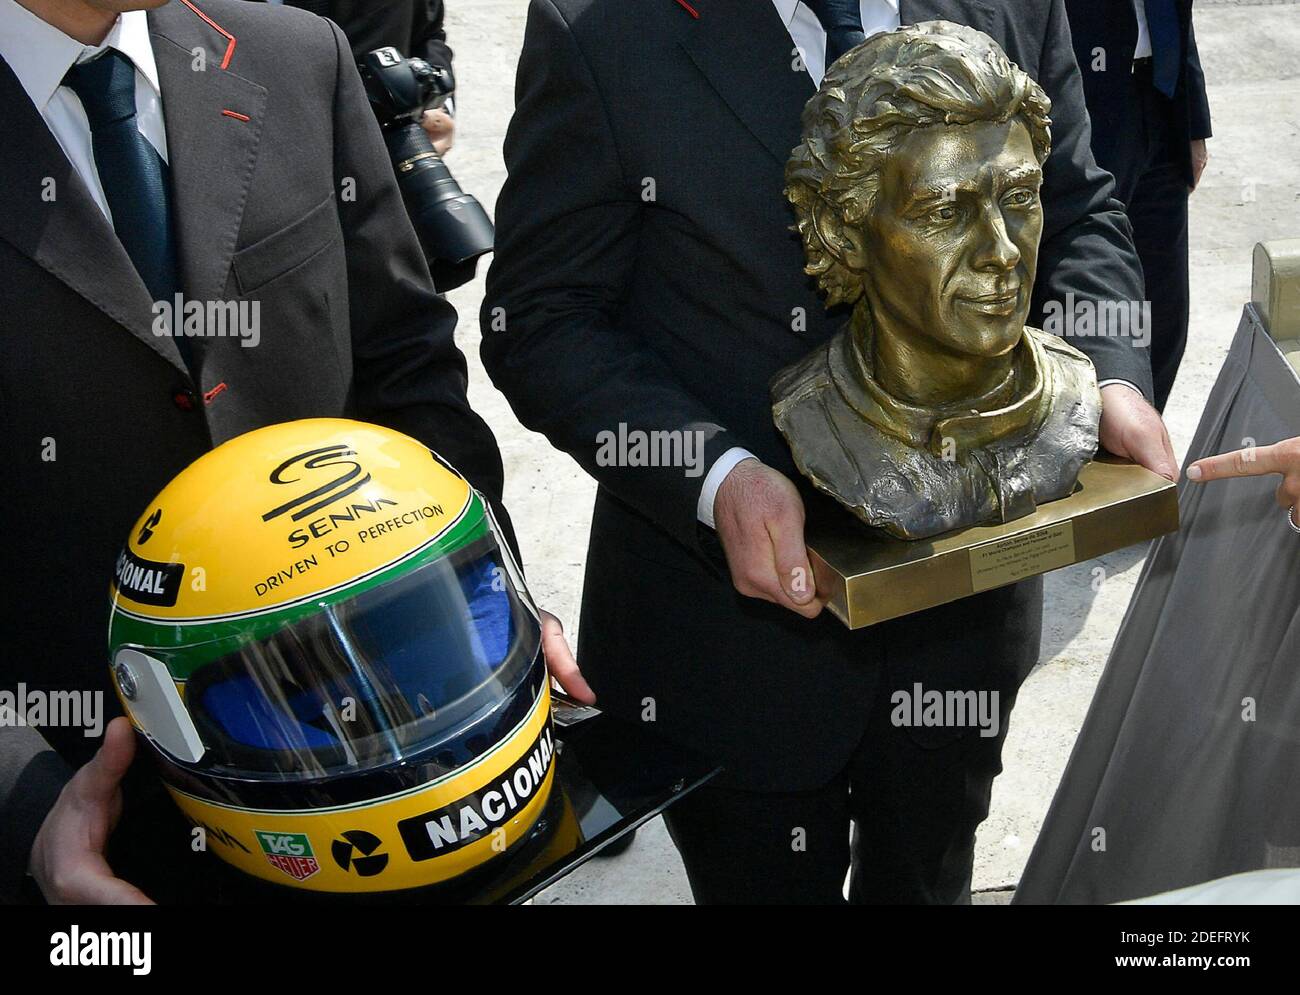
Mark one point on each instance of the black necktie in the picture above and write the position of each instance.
(842, 21)
(131, 171)
(1166, 44)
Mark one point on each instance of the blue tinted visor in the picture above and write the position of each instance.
(393, 672)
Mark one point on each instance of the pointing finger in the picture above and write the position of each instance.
(1253, 461)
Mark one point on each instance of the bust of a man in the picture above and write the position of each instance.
(916, 189)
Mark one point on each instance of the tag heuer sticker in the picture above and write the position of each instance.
(288, 852)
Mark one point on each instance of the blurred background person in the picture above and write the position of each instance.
(1145, 92)
(401, 49)
(413, 27)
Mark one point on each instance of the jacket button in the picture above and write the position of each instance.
(184, 399)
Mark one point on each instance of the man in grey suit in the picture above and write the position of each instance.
(201, 235)
(646, 286)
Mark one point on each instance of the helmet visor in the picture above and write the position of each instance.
(390, 673)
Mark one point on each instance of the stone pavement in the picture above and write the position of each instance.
(1251, 55)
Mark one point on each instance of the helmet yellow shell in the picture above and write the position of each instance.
(283, 514)
(335, 660)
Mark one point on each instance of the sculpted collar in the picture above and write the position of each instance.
(1017, 405)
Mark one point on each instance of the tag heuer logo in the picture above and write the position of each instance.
(288, 852)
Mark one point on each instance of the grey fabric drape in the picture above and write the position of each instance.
(1172, 773)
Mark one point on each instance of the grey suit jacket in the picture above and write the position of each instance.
(646, 276)
(283, 194)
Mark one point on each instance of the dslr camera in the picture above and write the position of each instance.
(453, 228)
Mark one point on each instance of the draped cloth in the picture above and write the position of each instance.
(1187, 767)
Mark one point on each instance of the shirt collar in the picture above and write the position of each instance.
(40, 55)
(787, 8)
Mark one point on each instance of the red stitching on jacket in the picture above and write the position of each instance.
(230, 48)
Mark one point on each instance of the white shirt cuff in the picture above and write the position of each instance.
(717, 474)
(1126, 383)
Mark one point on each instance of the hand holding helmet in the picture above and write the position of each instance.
(67, 857)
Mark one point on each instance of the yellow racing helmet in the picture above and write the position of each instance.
(322, 634)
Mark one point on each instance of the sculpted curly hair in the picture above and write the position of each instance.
(929, 74)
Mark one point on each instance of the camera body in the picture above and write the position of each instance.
(401, 90)
(453, 227)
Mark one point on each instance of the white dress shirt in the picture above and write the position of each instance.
(41, 55)
(1143, 49)
(810, 37)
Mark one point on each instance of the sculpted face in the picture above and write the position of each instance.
(950, 249)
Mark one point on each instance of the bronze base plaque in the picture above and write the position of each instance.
(868, 577)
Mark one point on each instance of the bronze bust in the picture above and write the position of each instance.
(916, 193)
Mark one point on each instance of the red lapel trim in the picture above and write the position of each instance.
(230, 47)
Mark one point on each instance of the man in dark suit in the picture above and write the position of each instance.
(413, 27)
(1145, 89)
(224, 152)
(647, 280)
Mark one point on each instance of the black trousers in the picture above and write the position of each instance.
(901, 816)
(1151, 181)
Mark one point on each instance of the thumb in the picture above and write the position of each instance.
(102, 776)
(100, 887)
(1152, 449)
(791, 559)
(560, 661)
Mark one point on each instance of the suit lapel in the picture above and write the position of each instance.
(969, 12)
(50, 216)
(211, 152)
(747, 55)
